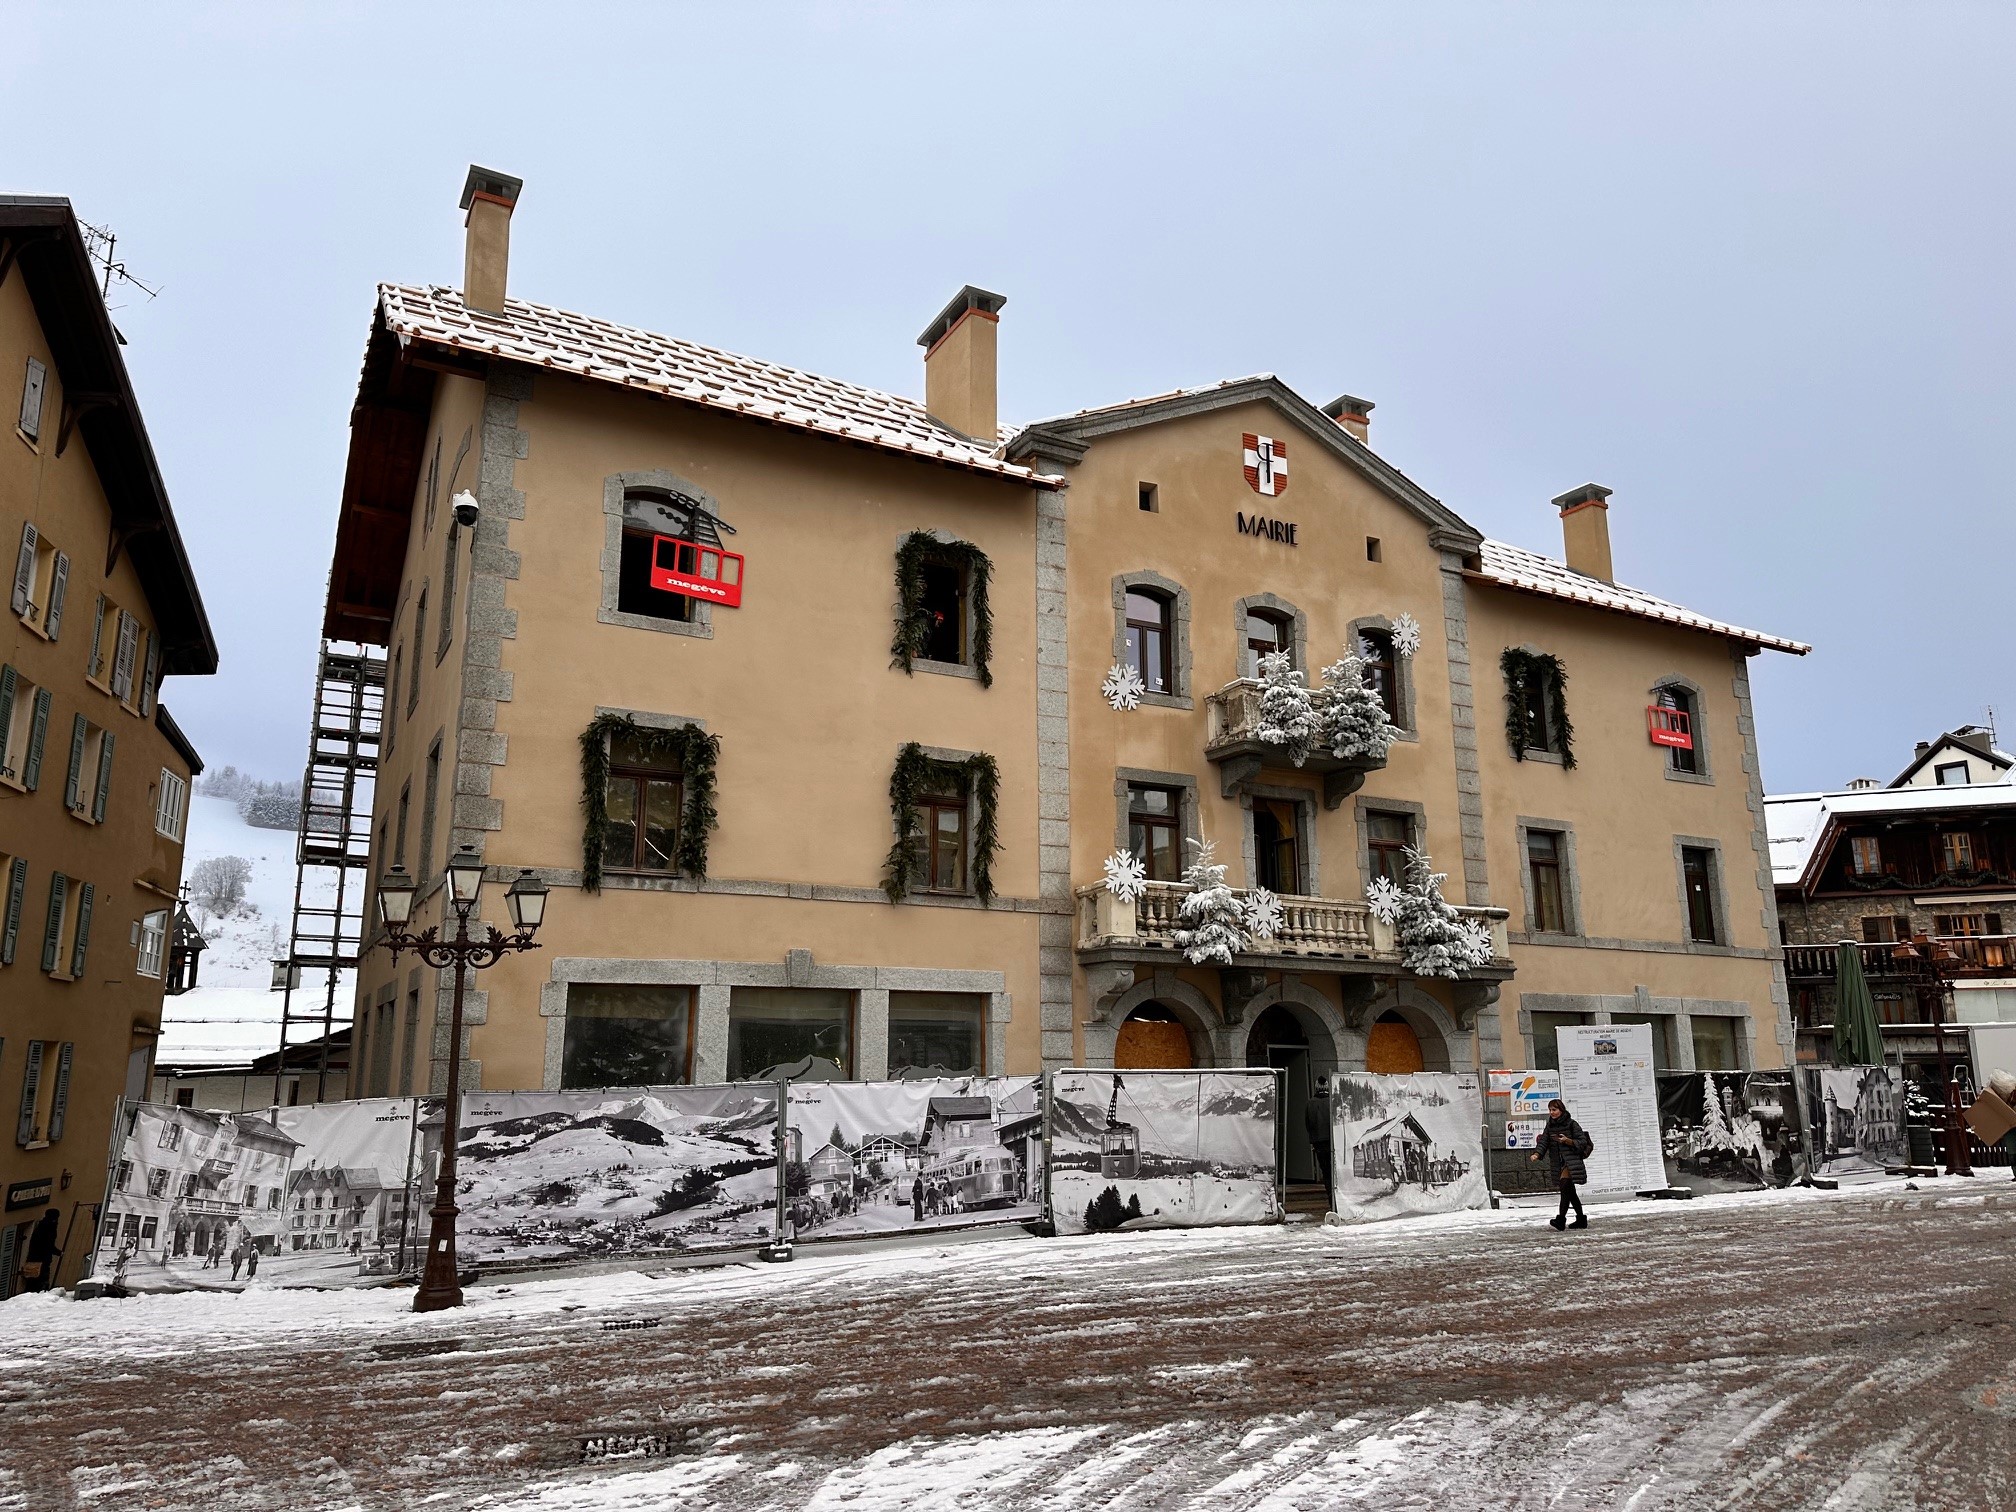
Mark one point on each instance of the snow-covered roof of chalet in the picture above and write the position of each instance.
(602, 351)
(1529, 572)
(1797, 822)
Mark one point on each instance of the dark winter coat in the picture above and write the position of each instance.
(1316, 1118)
(1561, 1142)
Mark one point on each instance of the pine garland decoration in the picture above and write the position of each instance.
(913, 625)
(1524, 669)
(916, 774)
(690, 747)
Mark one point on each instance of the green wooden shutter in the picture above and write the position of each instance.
(10, 922)
(59, 1095)
(151, 678)
(38, 735)
(52, 933)
(9, 680)
(84, 900)
(104, 777)
(97, 663)
(31, 1086)
(73, 785)
(24, 569)
(6, 1260)
(59, 589)
(122, 658)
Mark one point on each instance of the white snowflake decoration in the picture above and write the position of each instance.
(1126, 877)
(1264, 918)
(1406, 635)
(1123, 687)
(1383, 899)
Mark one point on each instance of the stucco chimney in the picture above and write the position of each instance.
(1353, 413)
(489, 197)
(1585, 529)
(959, 364)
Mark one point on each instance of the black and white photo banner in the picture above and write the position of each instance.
(1857, 1118)
(1404, 1145)
(1730, 1131)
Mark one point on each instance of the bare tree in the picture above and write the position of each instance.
(218, 882)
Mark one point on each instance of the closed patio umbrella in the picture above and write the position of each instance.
(1858, 1037)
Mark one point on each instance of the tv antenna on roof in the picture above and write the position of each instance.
(99, 242)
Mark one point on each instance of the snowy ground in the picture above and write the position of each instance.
(1852, 1351)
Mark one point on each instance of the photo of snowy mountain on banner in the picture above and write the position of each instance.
(1161, 1149)
(1857, 1115)
(1730, 1131)
(549, 1176)
(1403, 1145)
(315, 1196)
(899, 1156)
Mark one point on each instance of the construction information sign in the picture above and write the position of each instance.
(1607, 1082)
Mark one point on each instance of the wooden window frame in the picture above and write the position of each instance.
(962, 629)
(1382, 673)
(1544, 892)
(929, 806)
(1376, 849)
(640, 778)
(1684, 760)
(1283, 626)
(1164, 627)
(1855, 853)
(1172, 822)
(1951, 842)
(1698, 883)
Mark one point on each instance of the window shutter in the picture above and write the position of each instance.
(32, 390)
(24, 569)
(31, 1087)
(59, 1095)
(122, 665)
(151, 677)
(73, 785)
(52, 932)
(97, 664)
(17, 895)
(9, 681)
(6, 1257)
(104, 787)
(83, 930)
(38, 736)
(59, 588)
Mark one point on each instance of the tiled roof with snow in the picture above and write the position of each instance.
(1529, 572)
(1795, 822)
(599, 350)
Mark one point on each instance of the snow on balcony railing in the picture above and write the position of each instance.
(1341, 928)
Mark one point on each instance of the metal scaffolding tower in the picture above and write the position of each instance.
(335, 835)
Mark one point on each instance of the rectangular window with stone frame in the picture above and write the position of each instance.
(646, 793)
(1697, 871)
(1155, 830)
(1546, 863)
(1387, 837)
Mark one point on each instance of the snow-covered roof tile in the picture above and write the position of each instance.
(584, 347)
(1529, 572)
(1795, 822)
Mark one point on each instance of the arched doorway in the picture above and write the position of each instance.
(1392, 1048)
(1153, 1039)
(1278, 1039)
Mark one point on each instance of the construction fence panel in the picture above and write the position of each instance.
(1856, 1118)
(1406, 1145)
(1730, 1131)
(1162, 1149)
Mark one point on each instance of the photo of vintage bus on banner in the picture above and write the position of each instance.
(941, 1152)
(1162, 1149)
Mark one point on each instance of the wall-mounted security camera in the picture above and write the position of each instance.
(464, 505)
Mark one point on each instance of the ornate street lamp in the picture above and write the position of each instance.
(1929, 960)
(526, 900)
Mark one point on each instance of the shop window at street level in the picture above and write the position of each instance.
(1155, 830)
(1661, 1025)
(778, 1026)
(1149, 649)
(940, 1031)
(645, 794)
(1387, 837)
(1715, 1044)
(1546, 1040)
(1545, 862)
(627, 1036)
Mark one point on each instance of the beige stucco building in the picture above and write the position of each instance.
(852, 629)
(94, 775)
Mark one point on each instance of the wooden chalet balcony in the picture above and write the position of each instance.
(1979, 956)
(1334, 929)
(1233, 742)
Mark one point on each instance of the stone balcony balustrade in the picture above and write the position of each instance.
(1232, 741)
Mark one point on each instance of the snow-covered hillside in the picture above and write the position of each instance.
(233, 1015)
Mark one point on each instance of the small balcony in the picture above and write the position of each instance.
(1339, 930)
(1233, 742)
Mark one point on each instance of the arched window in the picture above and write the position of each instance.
(1149, 639)
(1375, 647)
(1267, 631)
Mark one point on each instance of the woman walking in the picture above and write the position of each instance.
(1566, 1146)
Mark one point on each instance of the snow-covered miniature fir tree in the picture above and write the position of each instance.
(1435, 940)
(1288, 713)
(1354, 722)
(1211, 924)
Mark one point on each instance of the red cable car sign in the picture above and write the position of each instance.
(697, 570)
(1670, 727)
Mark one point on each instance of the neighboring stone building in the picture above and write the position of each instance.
(734, 655)
(94, 775)
(1932, 853)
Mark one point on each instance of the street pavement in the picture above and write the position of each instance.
(1850, 1351)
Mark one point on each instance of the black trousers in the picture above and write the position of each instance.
(1570, 1198)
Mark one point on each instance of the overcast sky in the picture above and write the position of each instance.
(1749, 266)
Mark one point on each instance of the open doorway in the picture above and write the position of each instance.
(1278, 1040)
